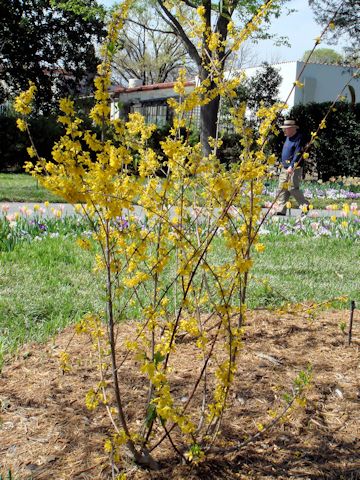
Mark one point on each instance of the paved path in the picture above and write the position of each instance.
(12, 207)
(67, 209)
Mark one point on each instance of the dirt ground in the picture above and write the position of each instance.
(46, 432)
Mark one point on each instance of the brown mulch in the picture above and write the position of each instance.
(46, 432)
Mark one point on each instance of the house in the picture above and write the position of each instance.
(149, 100)
(321, 83)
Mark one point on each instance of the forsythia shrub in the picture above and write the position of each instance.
(156, 236)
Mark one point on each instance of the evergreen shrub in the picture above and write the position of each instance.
(13, 143)
(336, 152)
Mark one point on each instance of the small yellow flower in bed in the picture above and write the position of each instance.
(260, 247)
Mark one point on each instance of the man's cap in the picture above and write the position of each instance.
(289, 124)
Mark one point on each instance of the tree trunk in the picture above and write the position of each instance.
(208, 116)
(208, 124)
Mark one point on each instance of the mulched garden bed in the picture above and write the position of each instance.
(46, 432)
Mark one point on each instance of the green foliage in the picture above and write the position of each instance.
(344, 25)
(13, 144)
(342, 326)
(337, 149)
(324, 55)
(301, 382)
(261, 89)
(87, 9)
(54, 48)
(9, 476)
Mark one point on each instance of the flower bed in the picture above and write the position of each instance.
(36, 224)
(344, 223)
(340, 190)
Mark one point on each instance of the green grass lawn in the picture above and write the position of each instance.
(16, 187)
(306, 269)
(49, 284)
(44, 287)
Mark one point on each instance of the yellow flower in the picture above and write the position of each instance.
(21, 124)
(31, 152)
(259, 247)
(286, 186)
(213, 41)
(346, 209)
(108, 446)
(288, 205)
(91, 400)
(148, 163)
(67, 106)
(201, 10)
(305, 155)
(83, 243)
(23, 101)
(65, 362)
(298, 84)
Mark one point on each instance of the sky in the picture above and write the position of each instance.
(300, 28)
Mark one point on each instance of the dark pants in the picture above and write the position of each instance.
(292, 184)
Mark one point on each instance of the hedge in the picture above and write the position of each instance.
(13, 143)
(337, 150)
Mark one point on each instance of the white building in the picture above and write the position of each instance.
(321, 83)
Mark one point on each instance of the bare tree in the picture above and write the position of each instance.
(149, 52)
(216, 15)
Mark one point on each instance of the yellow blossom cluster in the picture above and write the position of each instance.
(23, 101)
(239, 36)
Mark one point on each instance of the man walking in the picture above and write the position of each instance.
(291, 167)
